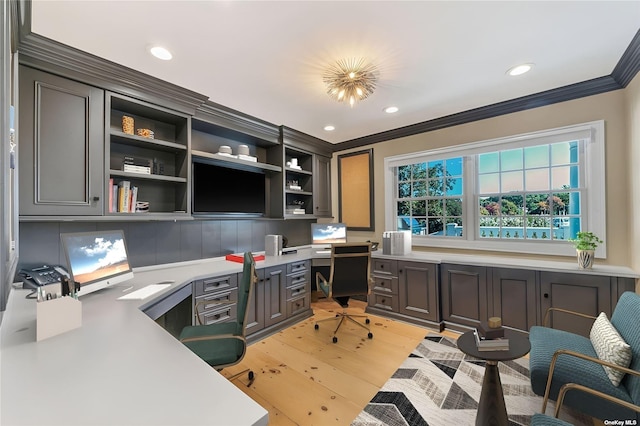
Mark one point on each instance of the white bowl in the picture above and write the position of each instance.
(243, 150)
(224, 149)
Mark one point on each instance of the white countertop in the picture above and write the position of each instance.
(120, 367)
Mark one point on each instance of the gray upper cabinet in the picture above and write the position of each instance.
(307, 175)
(322, 186)
(61, 131)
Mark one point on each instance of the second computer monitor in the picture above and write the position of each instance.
(325, 234)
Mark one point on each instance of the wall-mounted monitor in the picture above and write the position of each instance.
(226, 191)
(96, 259)
(325, 234)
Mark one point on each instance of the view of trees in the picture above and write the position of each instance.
(418, 180)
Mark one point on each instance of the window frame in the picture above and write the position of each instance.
(593, 213)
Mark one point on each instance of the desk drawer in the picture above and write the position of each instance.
(296, 290)
(298, 305)
(215, 300)
(294, 267)
(297, 279)
(224, 314)
(387, 302)
(385, 266)
(385, 284)
(215, 284)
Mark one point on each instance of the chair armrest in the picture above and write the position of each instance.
(202, 302)
(322, 284)
(559, 352)
(574, 386)
(566, 311)
(212, 337)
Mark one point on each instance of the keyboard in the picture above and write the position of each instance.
(323, 251)
(144, 292)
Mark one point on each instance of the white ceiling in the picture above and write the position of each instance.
(435, 58)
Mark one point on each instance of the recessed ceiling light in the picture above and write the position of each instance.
(391, 109)
(161, 53)
(329, 128)
(520, 69)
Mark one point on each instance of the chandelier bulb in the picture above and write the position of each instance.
(359, 91)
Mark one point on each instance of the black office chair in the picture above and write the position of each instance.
(224, 344)
(349, 276)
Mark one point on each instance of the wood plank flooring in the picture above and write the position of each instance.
(302, 378)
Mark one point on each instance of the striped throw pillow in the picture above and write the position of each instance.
(610, 346)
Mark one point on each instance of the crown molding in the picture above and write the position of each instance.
(629, 64)
(49, 55)
(228, 118)
(626, 69)
(296, 139)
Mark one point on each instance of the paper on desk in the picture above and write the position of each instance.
(144, 292)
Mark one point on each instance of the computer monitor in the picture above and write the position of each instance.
(325, 234)
(96, 259)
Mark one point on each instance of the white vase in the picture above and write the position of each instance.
(585, 258)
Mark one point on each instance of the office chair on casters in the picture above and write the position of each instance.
(349, 276)
(224, 344)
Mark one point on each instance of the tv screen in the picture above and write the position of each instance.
(325, 234)
(96, 259)
(221, 190)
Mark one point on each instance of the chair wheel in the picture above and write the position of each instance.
(335, 339)
(251, 375)
(316, 326)
(370, 335)
(367, 321)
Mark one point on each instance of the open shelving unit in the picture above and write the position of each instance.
(165, 156)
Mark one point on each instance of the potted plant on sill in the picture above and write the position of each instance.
(585, 244)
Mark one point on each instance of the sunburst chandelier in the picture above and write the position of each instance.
(351, 80)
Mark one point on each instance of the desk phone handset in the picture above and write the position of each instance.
(42, 275)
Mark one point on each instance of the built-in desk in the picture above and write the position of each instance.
(120, 367)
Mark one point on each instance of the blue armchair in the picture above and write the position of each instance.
(565, 367)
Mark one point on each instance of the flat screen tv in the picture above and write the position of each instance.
(222, 190)
(96, 259)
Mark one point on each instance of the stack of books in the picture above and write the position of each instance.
(490, 344)
(136, 165)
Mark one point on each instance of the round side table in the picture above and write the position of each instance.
(491, 408)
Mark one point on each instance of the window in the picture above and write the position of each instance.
(527, 193)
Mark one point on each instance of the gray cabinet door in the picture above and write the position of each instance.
(322, 186)
(464, 294)
(61, 145)
(588, 294)
(513, 296)
(418, 290)
(275, 295)
(255, 316)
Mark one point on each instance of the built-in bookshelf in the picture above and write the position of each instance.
(147, 159)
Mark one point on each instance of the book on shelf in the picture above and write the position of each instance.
(146, 170)
(497, 344)
(127, 197)
(111, 195)
(124, 187)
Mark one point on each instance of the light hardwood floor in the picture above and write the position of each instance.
(302, 378)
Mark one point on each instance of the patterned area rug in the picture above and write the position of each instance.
(439, 385)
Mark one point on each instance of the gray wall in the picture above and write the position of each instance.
(152, 243)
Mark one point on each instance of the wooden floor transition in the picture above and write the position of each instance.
(302, 378)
